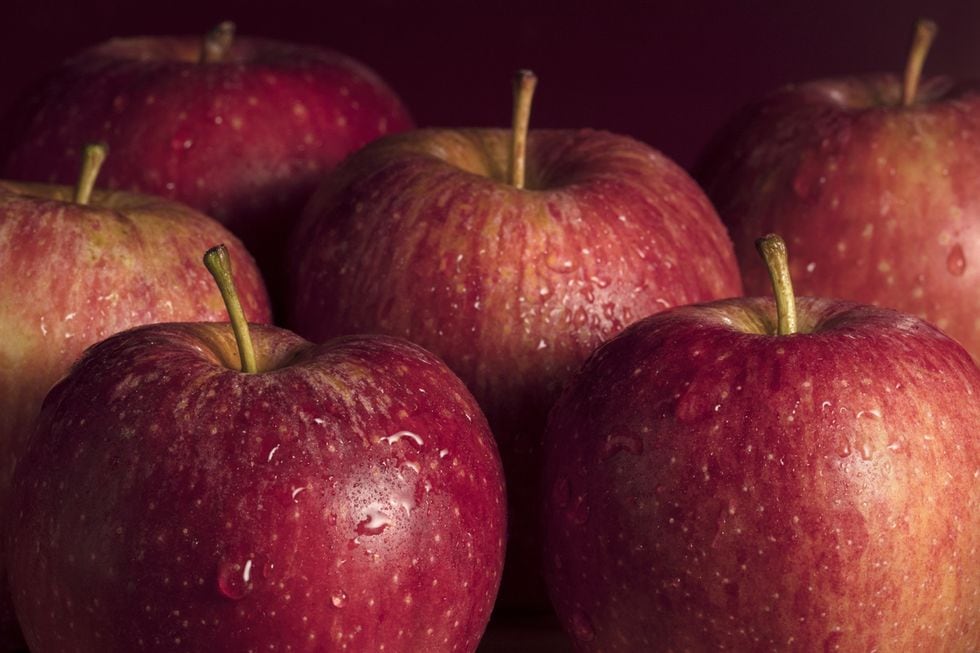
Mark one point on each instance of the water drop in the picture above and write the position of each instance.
(272, 453)
(866, 451)
(897, 446)
(400, 435)
(616, 443)
(956, 261)
(339, 599)
(844, 450)
(803, 184)
(582, 627)
(234, 579)
(374, 522)
(403, 500)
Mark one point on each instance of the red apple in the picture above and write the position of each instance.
(72, 273)
(874, 183)
(341, 496)
(429, 235)
(713, 484)
(243, 134)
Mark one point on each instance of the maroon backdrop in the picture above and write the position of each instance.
(667, 73)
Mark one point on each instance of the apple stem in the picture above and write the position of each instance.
(773, 251)
(217, 42)
(93, 156)
(218, 264)
(922, 38)
(524, 83)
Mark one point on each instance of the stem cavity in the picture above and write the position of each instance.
(93, 156)
(218, 264)
(773, 251)
(922, 38)
(524, 83)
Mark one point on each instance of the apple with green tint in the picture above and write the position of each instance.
(751, 475)
(511, 255)
(873, 181)
(242, 128)
(206, 487)
(77, 265)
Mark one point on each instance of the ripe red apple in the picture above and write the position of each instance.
(242, 130)
(713, 484)
(340, 496)
(873, 182)
(74, 272)
(434, 236)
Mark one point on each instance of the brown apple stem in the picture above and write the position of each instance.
(218, 264)
(773, 251)
(925, 33)
(524, 83)
(217, 42)
(93, 156)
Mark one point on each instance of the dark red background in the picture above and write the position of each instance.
(665, 72)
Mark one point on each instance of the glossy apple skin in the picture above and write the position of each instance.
(879, 204)
(417, 235)
(712, 487)
(70, 275)
(348, 496)
(245, 140)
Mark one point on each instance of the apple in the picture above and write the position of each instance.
(180, 495)
(727, 477)
(873, 181)
(69, 277)
(242, 129)
(510, 267)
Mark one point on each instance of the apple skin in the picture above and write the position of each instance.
(878, 203)
(245, 140)
(418, 235)
(72, 274)
(710, 487)
(347, 496)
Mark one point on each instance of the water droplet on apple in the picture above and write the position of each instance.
(339, 599)
(803, 183)
(896, 446)
(234, 579)
(866, 451)
(616, 443)
(403, 500)
(844, 450)
(374, 521)
(394, 438)
(956, 261)
(582, 627)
